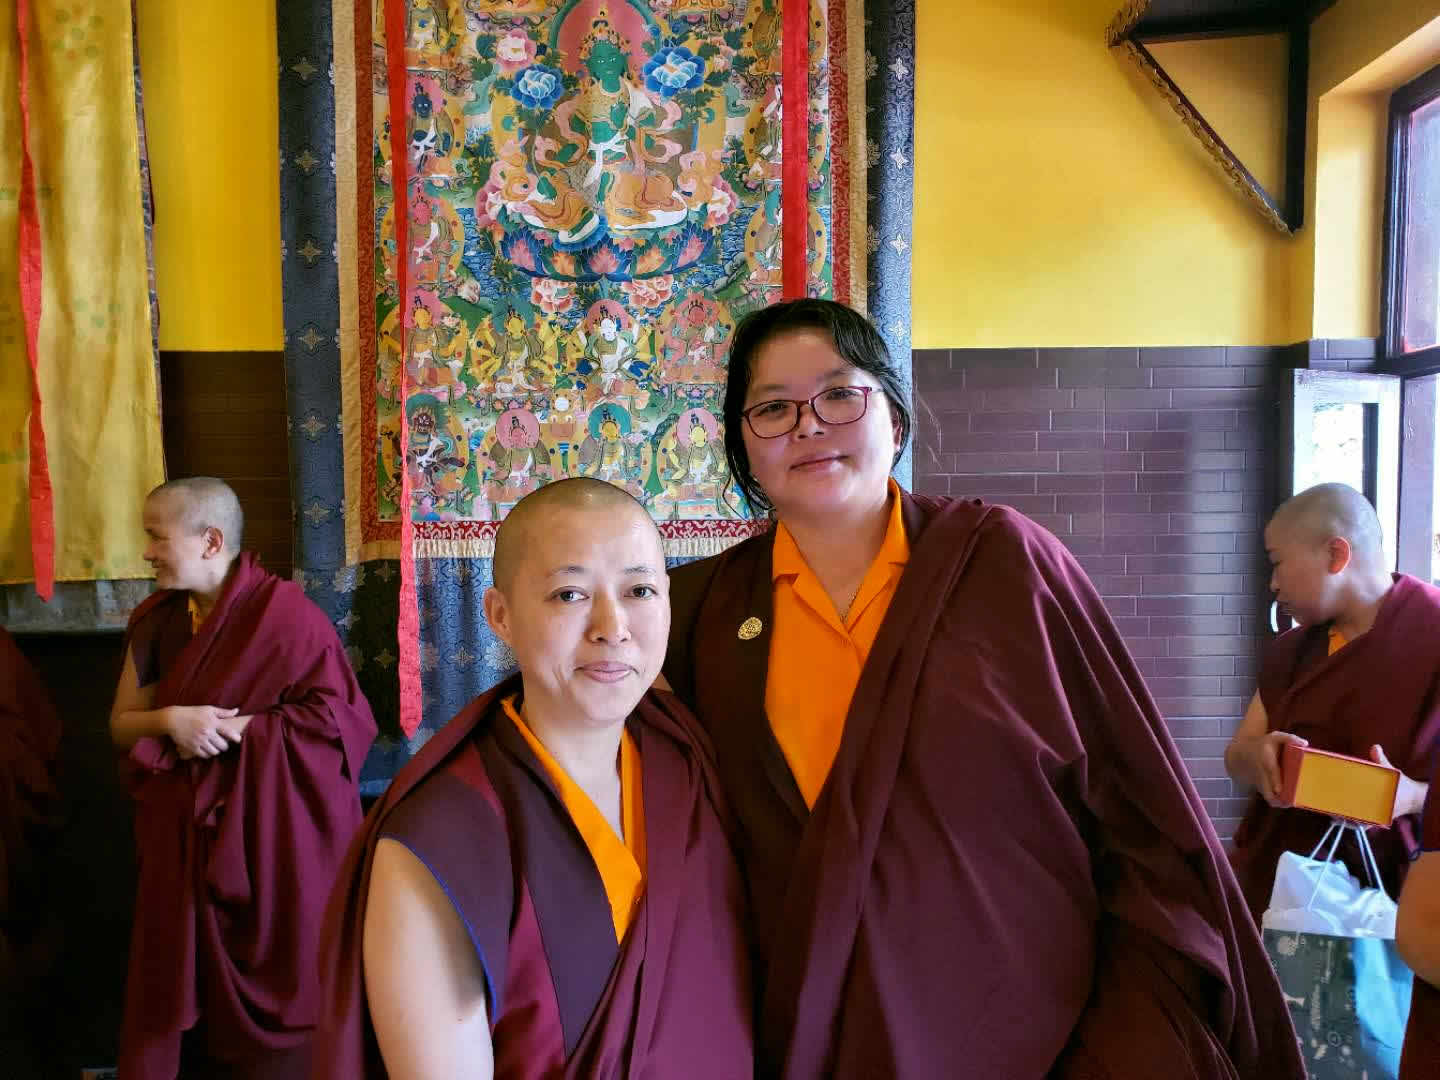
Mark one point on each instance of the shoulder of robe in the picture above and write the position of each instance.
(693, 575)
(147, 606)
(1423, 602)
(1009, 536)
(304, 618)
(690, 582)
(439, 791)
(440, 747)
(1285, 643)
(1011, 552)
(1414, 620)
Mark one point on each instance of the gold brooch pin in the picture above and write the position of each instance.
(750, 629)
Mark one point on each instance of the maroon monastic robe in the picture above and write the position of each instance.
(237, 853)
(29, 801)
(1383, 687)
(1421, 1057)
(672, 1000)
(1008, 872)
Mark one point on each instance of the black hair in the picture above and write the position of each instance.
(856, 340)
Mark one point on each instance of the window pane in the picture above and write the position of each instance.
(1435, 496)
(1422, 230)
(1337, 454)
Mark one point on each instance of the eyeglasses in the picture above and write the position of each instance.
(835, 406)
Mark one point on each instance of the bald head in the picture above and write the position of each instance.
(203, 502)
(535, 513)
(1326, 511)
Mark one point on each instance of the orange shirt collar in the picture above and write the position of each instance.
(620, 862)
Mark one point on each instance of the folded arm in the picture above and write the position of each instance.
(196, 730)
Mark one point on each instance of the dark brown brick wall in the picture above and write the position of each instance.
(1155, 467)
(224, 415)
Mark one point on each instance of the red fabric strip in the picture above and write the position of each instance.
(840, 179)
(795, 148)
(42, 496)
(407, 625)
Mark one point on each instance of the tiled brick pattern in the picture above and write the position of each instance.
(1155, 467)
(1335, 354)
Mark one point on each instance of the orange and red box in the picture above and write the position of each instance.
(1338, 785)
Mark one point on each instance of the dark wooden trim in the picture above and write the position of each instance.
(1370, 472)
(1392, 270)
(1297, 123)
(1403, 102)
(1411, 365)
(1248, 178)
(1267, 19)
(1285, 457)
(1288, 212)
(1199, 27)
(1418, 91)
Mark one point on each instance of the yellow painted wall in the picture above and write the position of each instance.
(1239, 85)
(209, 72)
(1346, 216)
(1352, 34)
(1059, 201)
(1360, 50)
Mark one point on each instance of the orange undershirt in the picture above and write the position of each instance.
(816, 656)
(1337, 641)
(621, 862)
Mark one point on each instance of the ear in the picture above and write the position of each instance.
(214, 542)
(1338, 553)
(497, 614)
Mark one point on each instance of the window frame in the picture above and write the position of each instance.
(1384, 437)
(1403, 102)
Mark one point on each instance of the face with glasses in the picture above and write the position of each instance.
(818, 431)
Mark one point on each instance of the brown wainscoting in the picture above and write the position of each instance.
(224, 415)
(1336, 354)
(1155, 467)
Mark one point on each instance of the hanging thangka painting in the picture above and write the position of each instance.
(593, 201)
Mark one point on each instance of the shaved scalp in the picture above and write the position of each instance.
(1320, 513)
(529, 516)
(204, 502)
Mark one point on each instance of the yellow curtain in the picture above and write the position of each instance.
(97, 373)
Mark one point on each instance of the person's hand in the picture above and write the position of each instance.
(196, 730)
(235, 726)
(1409, 794)
(1263, 756)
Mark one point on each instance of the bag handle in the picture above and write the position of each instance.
(1338, 828)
